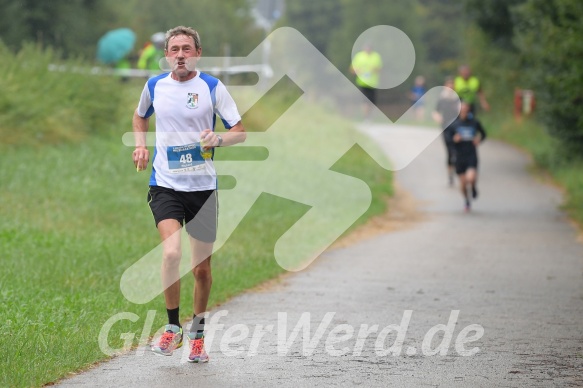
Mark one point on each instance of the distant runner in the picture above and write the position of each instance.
(415, 94)
(446, 111)
(152, 53)
(367, 65)
(467, 134)
(469, 89)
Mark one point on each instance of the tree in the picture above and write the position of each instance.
(540, 42)
(442, 23)
(72, 26)
(495, 18)
(218, 22)
(548, 32)
(318, 21)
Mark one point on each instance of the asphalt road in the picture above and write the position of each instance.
(508, 278)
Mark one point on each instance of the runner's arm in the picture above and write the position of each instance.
(141, 155)
(236, 134)
(481, 131)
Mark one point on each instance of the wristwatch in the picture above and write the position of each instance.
(220, 140)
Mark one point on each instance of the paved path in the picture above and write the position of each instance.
(512, 267)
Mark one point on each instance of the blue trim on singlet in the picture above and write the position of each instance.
(212, 83)
(151, 87)
(153, 175)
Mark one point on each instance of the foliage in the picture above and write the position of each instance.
(539, 41)
(318, 21)
(218, 22)
(442, 23)
(495, 18)
(549, 36)
(72, 26)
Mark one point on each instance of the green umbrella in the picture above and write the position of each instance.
(115, 45)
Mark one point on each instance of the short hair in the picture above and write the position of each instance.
(181, 30)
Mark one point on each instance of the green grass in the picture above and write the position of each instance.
(547, 153)
(74, 217)
(38, 106)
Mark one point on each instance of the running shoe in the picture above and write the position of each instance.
(169, 341)
(197, 352)
(468, 207)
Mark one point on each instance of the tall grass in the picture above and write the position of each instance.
(40, 106)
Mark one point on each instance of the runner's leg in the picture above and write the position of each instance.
(201, 259)
(464, 189)
(172, 253)
(171, 339)
(472, 178)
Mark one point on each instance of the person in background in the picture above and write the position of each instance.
(152, 53)
(415, 94)
(183, 182)
(467, 134)
(367, 65)
(446, 111)
(469, 89)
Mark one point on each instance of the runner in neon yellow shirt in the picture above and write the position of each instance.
(366, 65)
(469, 89)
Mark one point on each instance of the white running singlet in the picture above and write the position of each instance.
(183, 110)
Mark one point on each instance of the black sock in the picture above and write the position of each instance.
(174, 316)
(197, 324)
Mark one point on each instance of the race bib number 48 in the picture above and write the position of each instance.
(184, 158)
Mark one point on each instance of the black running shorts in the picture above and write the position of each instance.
(197, 209)
(465, 162)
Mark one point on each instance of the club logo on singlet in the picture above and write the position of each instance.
(192, 101)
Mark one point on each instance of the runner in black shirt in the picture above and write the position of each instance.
(446, 111)
(467, 133)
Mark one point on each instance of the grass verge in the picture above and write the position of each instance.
(547, 154)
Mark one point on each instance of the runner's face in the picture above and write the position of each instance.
(182, 55)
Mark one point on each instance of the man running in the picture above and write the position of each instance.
(467, 135)
(446, 111)
(469, 89)
(183, 180)
(367, 65)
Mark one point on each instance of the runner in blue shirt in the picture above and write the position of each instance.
(467, 133)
